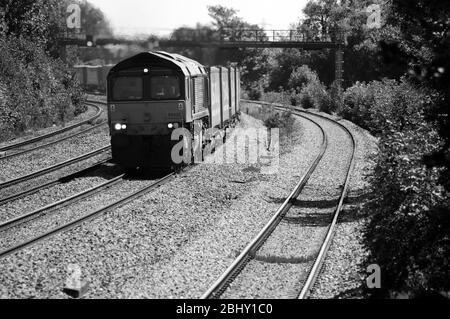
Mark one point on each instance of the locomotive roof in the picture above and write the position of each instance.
(188, 66)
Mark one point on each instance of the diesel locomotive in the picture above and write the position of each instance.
(153, 93)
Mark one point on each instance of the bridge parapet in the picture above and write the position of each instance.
(257, 35)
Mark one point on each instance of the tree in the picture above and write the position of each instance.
(363, 60)
(254, 62)
(425, 42)
(94, 21)
(36, 20)
(43, 21)
(200, 33)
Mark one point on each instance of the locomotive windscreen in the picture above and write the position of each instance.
(153, 86)
(164, 87)
(125, 88)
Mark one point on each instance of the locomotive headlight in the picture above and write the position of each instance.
(117, 126)
(170, 125)
(124, 126)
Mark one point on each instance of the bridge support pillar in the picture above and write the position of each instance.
(339, 63)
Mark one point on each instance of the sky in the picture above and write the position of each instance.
(129, 17)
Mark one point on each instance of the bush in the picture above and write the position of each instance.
(282, 97)
(254, 94)
(380, 106)
(302, 76)
(38, 90)
(315, 95)
(408, 233)
(306, 100)
(410, 212)
(358, 101)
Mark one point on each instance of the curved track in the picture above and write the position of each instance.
(56, 132)
(315, 270)
(52, 142)
(51, 183)
(53, 168)
(249, 251)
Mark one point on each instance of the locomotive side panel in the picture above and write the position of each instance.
(225, 95)
(199, 97)
(238, 90)
(102, 77)
(232, 89)
(214, 96)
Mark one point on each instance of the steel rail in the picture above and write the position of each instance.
(317, 266)
(56, 132)
(52, 168)
(53, 142)
(86, 217)
(238, 264)
(63, 202)
(51, 183)
(315, 270)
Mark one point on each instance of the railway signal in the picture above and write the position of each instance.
(89, 41)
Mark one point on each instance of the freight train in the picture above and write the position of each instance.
(92, 77)
(151, 94)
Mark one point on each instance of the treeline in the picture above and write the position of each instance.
(409, 235)
(37, 88)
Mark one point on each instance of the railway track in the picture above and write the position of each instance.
(49, 169)
(52, 168)
(221, 284)
(28, 150)
(76, 221)
(62, 179)
(36, 139)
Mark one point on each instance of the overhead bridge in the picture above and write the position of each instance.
(237, 38)
(257, 38)
(252, 38)
(249, 44)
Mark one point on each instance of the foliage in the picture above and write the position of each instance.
(425, 44)
(363, 59)
(410, 212)
(38, 91)
(254, 93)
(253, 61)
(301, 76)
(41, 21)
(408, 235)
(384, 105)
(315, 95)
(37, 21)
(282, 120)
(94, 21)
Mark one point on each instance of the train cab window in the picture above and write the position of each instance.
(163, 87)
(125, 88)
